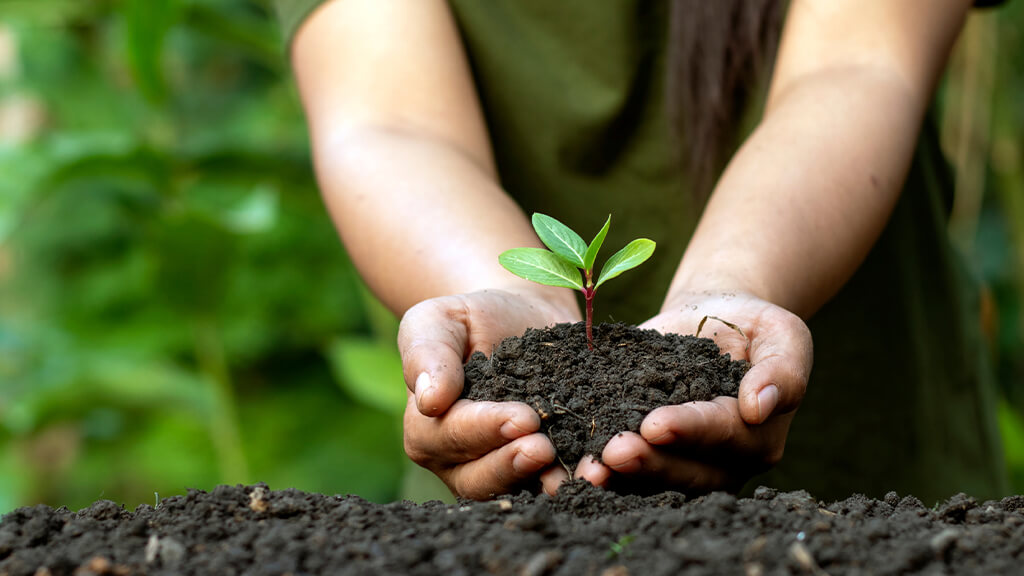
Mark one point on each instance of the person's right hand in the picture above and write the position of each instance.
(479, 449)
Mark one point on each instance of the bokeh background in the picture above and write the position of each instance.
(176, 310)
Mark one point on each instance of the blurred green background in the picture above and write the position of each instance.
(175, 308)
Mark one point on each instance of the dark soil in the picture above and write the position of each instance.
(582, 530)
(585, 397)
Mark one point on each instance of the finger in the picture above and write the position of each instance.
(467, 431)
(501, 471)
(629, 454)
(781, 356)
(714, 425)
(552, 478)
(593, 471)
(432, 340)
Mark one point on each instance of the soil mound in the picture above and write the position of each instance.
(585, 397)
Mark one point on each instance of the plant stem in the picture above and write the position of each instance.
(588, 295)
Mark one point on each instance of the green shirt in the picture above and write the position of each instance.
(900, 397)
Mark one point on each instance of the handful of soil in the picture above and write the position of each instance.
(585, 397)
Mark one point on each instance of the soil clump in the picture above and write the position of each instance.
(585, 397)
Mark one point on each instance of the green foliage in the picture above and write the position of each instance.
(169, 279)
(569, 254)
(633, 255)
(595, 245)
(539, 265)
(560, 239)
(620, 547)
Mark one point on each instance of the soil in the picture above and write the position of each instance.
(585, 397)
(582, 530)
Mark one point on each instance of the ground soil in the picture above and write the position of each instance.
(582, 530)
(585, 397)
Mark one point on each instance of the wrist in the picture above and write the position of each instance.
(701, 282)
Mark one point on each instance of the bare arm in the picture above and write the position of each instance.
(801, 204)
(402, 152)
(405, 167)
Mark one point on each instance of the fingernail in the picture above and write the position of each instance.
(510, 431)
(424, 386)
(523, 464)
(767, 399)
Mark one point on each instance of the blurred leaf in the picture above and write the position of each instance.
(370, 372)
(257, 213)
(146, 23)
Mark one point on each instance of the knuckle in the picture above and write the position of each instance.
(465, 485)
(415, 452)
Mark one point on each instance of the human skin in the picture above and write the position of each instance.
(406, 170)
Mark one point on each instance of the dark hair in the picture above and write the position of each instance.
(721, 52)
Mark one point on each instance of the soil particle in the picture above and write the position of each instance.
(585, 397)
(582, 530)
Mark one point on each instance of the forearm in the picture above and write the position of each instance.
(801, 204)
(402, 153)
(419, 218)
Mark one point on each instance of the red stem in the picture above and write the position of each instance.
(588, 295)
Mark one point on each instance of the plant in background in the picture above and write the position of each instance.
(570, 263)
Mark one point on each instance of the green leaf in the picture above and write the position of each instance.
(595, 246)
(629, 257)
(560, 239)
(539, 265)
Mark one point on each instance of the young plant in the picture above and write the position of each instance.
(570, 263)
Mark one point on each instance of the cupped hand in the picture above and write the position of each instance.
(479, 449)
(720, 444)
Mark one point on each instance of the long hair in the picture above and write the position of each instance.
(721, 52)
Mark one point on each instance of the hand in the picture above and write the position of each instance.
(705, 446)
(479, 449)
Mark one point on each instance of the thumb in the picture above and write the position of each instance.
(777, 381)
(432, 340)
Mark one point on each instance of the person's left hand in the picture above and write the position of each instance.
(716, 445)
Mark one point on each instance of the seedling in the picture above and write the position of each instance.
(621, 547)
(570, 263)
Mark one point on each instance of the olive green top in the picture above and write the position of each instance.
(900, 397)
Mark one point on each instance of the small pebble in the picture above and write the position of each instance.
(803, 557)
(943, 540)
